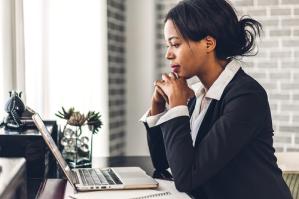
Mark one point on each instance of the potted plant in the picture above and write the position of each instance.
(77, 136)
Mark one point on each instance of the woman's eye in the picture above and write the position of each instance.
(174, 45)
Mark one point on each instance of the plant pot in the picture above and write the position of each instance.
(77, 145)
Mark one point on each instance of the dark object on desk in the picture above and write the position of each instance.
(29, 143)
(51, 189)
(13, 178)
(19, 115)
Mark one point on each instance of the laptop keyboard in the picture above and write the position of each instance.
(99, 177)
(75, 178)
(114, 176)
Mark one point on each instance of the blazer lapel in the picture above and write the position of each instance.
(191, 105)
(207, 121)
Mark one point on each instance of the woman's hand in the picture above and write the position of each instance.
(159, 96)
(176, 89)
(158, 101)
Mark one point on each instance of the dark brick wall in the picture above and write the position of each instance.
(117, 69)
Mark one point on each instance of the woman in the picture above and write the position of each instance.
(216, 137)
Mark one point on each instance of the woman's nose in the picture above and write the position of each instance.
(169, 55)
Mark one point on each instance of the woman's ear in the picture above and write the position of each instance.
(211, 43)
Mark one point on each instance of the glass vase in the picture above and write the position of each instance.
(77, 145)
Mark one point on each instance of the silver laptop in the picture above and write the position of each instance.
(88, 179)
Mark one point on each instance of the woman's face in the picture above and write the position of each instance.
(187, 60)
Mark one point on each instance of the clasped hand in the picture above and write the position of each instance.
(175, 91)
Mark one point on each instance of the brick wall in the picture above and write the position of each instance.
(276, 67)
(116, 64)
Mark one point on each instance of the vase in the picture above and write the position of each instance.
(77, 145)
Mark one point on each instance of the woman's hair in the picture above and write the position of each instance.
(197, 19)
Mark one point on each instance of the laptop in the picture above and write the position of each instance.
(87, 179)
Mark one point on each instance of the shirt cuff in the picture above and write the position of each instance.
(173, 113)
(151, 120)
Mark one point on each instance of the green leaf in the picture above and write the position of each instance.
(64, 110)
(59, 116)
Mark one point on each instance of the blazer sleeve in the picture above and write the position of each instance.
(244, 108)
(156, 147)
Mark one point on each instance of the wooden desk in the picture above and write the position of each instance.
(123, 161)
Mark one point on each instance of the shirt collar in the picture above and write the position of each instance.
(216, 90)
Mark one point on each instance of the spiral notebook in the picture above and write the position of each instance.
(166, 190)
(157, 195)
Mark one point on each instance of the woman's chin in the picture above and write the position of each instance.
(181, 75)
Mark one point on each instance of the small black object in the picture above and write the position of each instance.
(18, 114)
(15, 103)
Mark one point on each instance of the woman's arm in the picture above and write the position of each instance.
(244, 110)
(154, 135)
(156, 147)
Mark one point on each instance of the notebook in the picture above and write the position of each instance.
(166, 190)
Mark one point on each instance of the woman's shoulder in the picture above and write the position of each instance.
(242, 83)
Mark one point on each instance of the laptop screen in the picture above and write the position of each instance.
(53, 147)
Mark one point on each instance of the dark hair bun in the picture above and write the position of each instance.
(197, 19)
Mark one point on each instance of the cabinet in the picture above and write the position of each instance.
(29, 143)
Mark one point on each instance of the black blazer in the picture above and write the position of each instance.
(233, 156)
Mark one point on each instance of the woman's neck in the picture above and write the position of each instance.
(212, 72)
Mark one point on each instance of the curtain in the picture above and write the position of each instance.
(12, 60)
(65, 56)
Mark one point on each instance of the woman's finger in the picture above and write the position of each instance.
(165, 77)
(155, 83)
(159, 83)
(162, 93)
(172, 76)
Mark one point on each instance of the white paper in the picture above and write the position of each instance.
(69, 190)
(122, 194)
(165, 185)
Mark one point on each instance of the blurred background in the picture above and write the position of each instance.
(105, 56)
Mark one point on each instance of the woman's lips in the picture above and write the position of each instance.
(175, 68)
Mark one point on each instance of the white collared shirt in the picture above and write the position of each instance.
(215, 92)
